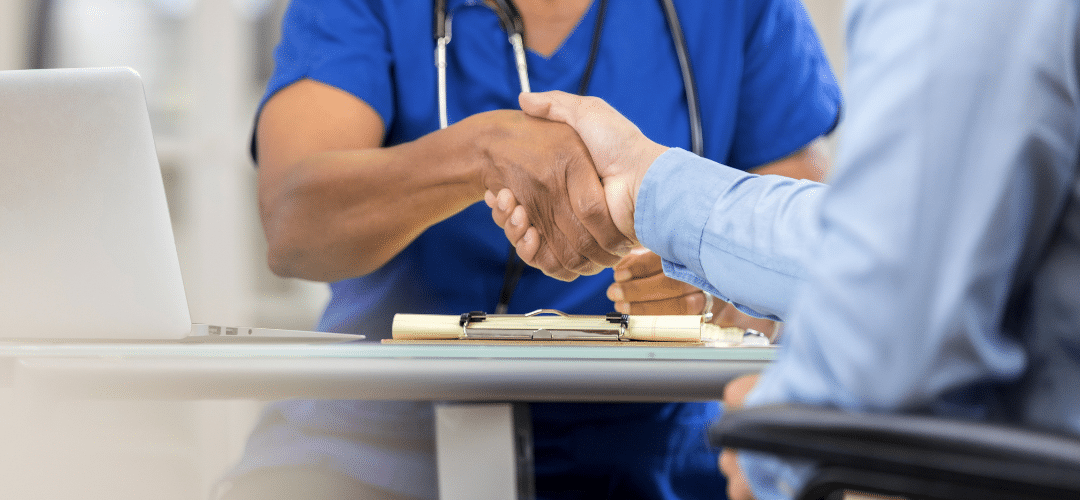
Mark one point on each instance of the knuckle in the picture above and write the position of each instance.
(606, 260)
(577, 262)
(590, 101)
(646, 268)
(594, 253)
(547, 263)
(593, 268)
(693, 304)
(640, 307)
(591, 209)
(631, 292)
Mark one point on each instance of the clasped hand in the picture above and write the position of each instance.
(543, 216)
(558, 192)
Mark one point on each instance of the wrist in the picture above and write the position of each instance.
(484, 133)
(646, 155)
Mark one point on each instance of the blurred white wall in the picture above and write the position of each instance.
(199, 60)
(828, 16)
(13, 33)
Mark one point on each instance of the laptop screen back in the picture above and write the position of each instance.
(86, 245)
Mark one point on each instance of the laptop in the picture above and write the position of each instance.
(86, 243)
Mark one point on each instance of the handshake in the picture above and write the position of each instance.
(566, 201)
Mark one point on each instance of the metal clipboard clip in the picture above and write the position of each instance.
(543, 324)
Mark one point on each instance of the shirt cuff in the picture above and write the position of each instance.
(673, 205)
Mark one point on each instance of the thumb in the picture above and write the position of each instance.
(554, 105)
(536, 104)
(636, 255)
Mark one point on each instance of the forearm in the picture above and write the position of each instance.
(340, 214)
(808, 163)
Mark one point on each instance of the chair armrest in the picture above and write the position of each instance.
(988, 459)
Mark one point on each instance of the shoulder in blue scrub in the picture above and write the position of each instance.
(765, 90)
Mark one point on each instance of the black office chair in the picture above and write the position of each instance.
(916, 457)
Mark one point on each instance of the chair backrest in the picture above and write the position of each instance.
(910, 455)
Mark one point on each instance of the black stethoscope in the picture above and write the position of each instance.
(511, 21)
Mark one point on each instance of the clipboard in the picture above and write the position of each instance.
(553, 327)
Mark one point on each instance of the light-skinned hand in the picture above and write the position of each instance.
(734, 395)
(620, 153)
(547, 166)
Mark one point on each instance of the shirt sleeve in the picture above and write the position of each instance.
(743, 237)
(960, 148)
(340, 43)
(788, 94)
(958, 160)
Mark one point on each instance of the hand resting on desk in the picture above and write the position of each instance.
(621, 154)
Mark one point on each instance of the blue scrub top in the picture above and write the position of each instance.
(766, 90)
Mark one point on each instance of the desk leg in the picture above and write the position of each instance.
(484, 451)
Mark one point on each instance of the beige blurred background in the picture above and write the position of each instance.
(204, 63)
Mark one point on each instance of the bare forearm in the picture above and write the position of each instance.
(336, 214)
(340, 214)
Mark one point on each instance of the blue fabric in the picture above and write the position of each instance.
(765, 88)
(945, 254)
(763, 240)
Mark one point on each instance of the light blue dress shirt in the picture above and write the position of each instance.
(940, 271)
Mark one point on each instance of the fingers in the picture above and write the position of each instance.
(553, 105)
(512, 217)
(620, 152)
(639, 262)
(735, 391)
(737, 487)
(506, 212)
(499, 208)
(589, 239)
(550, 172)
(642, 288)
(734, 395)
(546, 260)
(728, 315)
(686, 305)
(529, 246)
(587, 199)
(655, 287)
(575, 246)
(571, 109)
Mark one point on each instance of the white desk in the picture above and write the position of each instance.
(365, 370)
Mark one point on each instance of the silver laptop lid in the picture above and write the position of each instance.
(86, 245)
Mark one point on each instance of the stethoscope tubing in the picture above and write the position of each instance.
(697, 136)
(511, 21)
